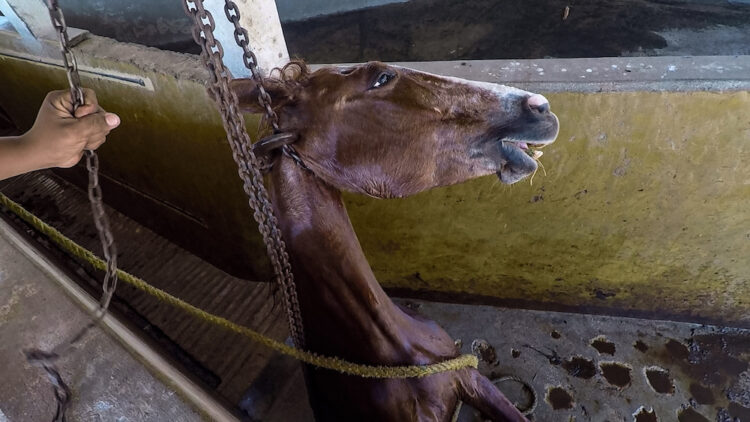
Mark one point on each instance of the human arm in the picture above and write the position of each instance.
(58, 137)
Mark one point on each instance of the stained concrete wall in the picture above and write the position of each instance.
(428, 30)
(643, 209)
(295, 10)
(332, 31)
(159, 23)
(162, 23)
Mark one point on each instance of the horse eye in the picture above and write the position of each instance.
(382, 79)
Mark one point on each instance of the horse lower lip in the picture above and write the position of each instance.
(525, 145)
(520, 145)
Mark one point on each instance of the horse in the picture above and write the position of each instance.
(386, 132)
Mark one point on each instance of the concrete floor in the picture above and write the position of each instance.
(599, 368)
(593, 368)
(218, 359)
(108, 383)
(582, 367)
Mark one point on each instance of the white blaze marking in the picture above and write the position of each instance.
(502, 91)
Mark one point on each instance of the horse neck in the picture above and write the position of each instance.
(337, 290)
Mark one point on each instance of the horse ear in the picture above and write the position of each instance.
(247, 93)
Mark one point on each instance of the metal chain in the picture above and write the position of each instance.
(242, 39)
(248, 165)
(101, 221)
(46, 360)
(69, 60)
(251, 63)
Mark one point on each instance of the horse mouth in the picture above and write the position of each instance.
(519, 155)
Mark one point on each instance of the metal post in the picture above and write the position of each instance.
(261, 20)
(30, 19)
(12, 21)
(34, 15)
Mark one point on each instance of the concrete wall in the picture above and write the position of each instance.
(294, 10)
(432, 30)
(158, 23)
(162, 23)
(421, 30)
(643, 210)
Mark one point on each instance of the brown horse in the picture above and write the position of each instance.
(386, 132)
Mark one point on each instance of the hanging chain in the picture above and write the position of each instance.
(101, 221)
(248, 165)
(251, 61)
(69, 60)
(46, 360)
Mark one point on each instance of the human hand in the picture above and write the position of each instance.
(58, 137)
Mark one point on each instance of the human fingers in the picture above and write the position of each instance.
(72, 161)
(87, 109)
(112, 119)
(90, 103)
(61, 102)
(99, 123)
(95, 142)
(89, 97)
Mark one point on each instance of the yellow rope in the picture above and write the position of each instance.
(336, 364)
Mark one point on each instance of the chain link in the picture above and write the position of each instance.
(46, 360)
(250, 61)
(248, 165)
(92, 160)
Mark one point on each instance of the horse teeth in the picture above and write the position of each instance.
(537, 154)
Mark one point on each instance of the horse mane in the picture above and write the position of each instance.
(296, 71)
(288, 79)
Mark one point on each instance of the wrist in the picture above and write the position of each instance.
(30, 153)
(13, 158)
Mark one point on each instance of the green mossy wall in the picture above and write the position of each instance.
(645, 207)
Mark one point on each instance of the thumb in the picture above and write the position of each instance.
(99, 122)
(112, 119)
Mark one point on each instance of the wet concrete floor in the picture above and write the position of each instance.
(581, 367)
(598, 368)
(107, 382)
(594, 368)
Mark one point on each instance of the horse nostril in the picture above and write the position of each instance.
(538, 102)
